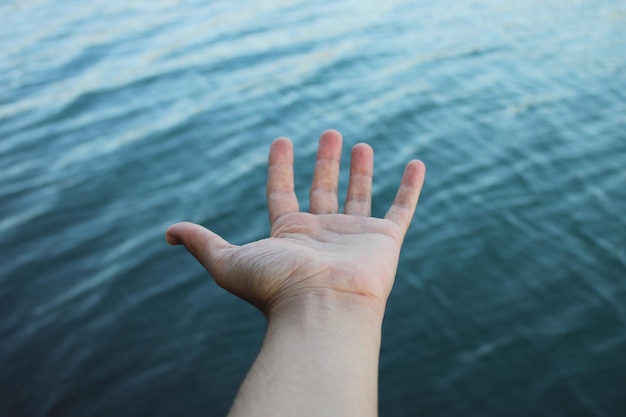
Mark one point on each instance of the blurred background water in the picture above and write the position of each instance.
(120, 118)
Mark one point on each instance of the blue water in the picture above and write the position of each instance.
(120, 118)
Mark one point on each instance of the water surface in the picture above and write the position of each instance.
(118, 119)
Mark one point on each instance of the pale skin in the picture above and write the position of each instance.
(322, 279)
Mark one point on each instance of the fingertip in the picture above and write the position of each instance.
(172, 240)
(206, 246)
(362, 162)
(418, 164)
(414, 172)
(363, 148)
(330, 144)
(282, 141)
(194, 236)
(281, 151)
(330, 139)
(172, 234)
(180, 233)
(331, 133)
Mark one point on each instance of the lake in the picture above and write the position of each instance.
(120, 118)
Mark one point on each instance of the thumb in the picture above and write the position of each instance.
(207, 247)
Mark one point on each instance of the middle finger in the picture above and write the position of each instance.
(326, 175)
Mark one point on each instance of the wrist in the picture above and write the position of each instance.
(335, 340)
(319, 357)
(326, 305)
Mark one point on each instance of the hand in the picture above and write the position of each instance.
(350, 257)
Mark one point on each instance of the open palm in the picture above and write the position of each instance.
(316, 253)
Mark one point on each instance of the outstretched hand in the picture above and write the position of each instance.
(349, 256)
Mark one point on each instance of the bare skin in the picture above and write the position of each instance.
(321, 278)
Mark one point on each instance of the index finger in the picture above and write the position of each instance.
(281, 197)
(403, 207)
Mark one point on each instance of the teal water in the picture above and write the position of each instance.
(118, 119)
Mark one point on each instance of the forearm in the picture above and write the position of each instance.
(319, 358)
